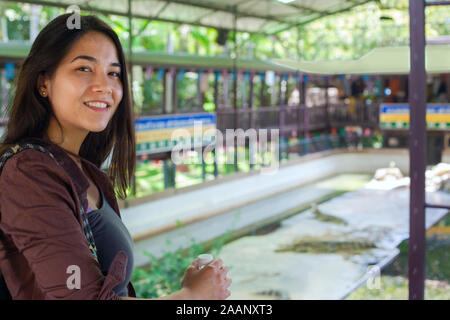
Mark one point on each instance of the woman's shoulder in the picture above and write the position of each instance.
(29, 163)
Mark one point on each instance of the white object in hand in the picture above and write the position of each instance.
(204, 259)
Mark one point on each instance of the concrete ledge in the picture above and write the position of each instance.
(239, 175)
(190, 205)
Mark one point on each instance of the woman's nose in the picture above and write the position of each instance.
(101, 83)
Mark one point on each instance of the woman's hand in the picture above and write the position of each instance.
(209, 283)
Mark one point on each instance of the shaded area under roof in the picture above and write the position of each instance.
(384, 60)
(253, 16)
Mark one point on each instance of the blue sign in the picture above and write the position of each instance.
(155, 134)
(180, 74)
(9, 70)
(175, 121)
(396, 116)
(160, 74)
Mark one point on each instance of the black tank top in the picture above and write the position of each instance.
(111, 236)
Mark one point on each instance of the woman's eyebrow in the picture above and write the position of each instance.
(114, 64)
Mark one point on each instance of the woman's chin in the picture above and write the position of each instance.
(97, 128)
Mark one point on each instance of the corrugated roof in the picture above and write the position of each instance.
(254, 16)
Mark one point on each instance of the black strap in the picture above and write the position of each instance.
(86, 227)
(4, 292)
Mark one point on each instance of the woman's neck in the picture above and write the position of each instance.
(74, 156)
(69, 141)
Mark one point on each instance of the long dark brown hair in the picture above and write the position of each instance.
(30, 113)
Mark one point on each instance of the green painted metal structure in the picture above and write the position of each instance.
(383, 60)
(17, 51)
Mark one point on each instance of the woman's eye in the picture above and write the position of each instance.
(83, 68)
(115, 74)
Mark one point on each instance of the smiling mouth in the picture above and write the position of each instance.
(97, 105)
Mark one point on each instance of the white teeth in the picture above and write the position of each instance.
(97, 104)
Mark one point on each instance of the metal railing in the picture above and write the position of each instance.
(298, 118)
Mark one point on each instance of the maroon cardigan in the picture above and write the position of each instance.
(42, 228)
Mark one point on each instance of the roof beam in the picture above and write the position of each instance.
(138, 16)
(227, 9)
(122, 14)
(297, 6)
(326, 14)
(161, 10)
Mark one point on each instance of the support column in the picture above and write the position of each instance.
(251, 115)
(130, 68)
(250, 101)
(168, 91)
(169, 169)
(200, 95)
(164, 93)
(216, 89)
(305, 115)
(174, 97)
(236, 169)
(303, 104)
(417, 147)
(203, 166)
(216, 173)
(327, 104)
(261, 92)
(280, 95)
(299, 110)
(3, 96)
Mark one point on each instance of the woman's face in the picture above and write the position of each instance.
(87, 80)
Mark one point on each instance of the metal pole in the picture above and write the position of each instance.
(164, 94)
(235, 90)
(327, 104)
(250, 100)
(437, 3)
(2, 105)
(216, 172)
(261, 91)
(203, 166)
(216, 90)
(299, 110)
(174, 91)
(251, 116)
(417, 147)
(199, 91)
(130, 64)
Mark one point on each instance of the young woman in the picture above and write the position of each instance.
(72, 97)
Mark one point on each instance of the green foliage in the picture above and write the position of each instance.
(394, 278)
(165, 274)
(437, 260)
(396, 288)
(153, 93)
(347, 35)
(375, 141)
(187, 92)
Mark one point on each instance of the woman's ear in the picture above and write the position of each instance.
(42, 86)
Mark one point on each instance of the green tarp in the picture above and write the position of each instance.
(385, 60)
